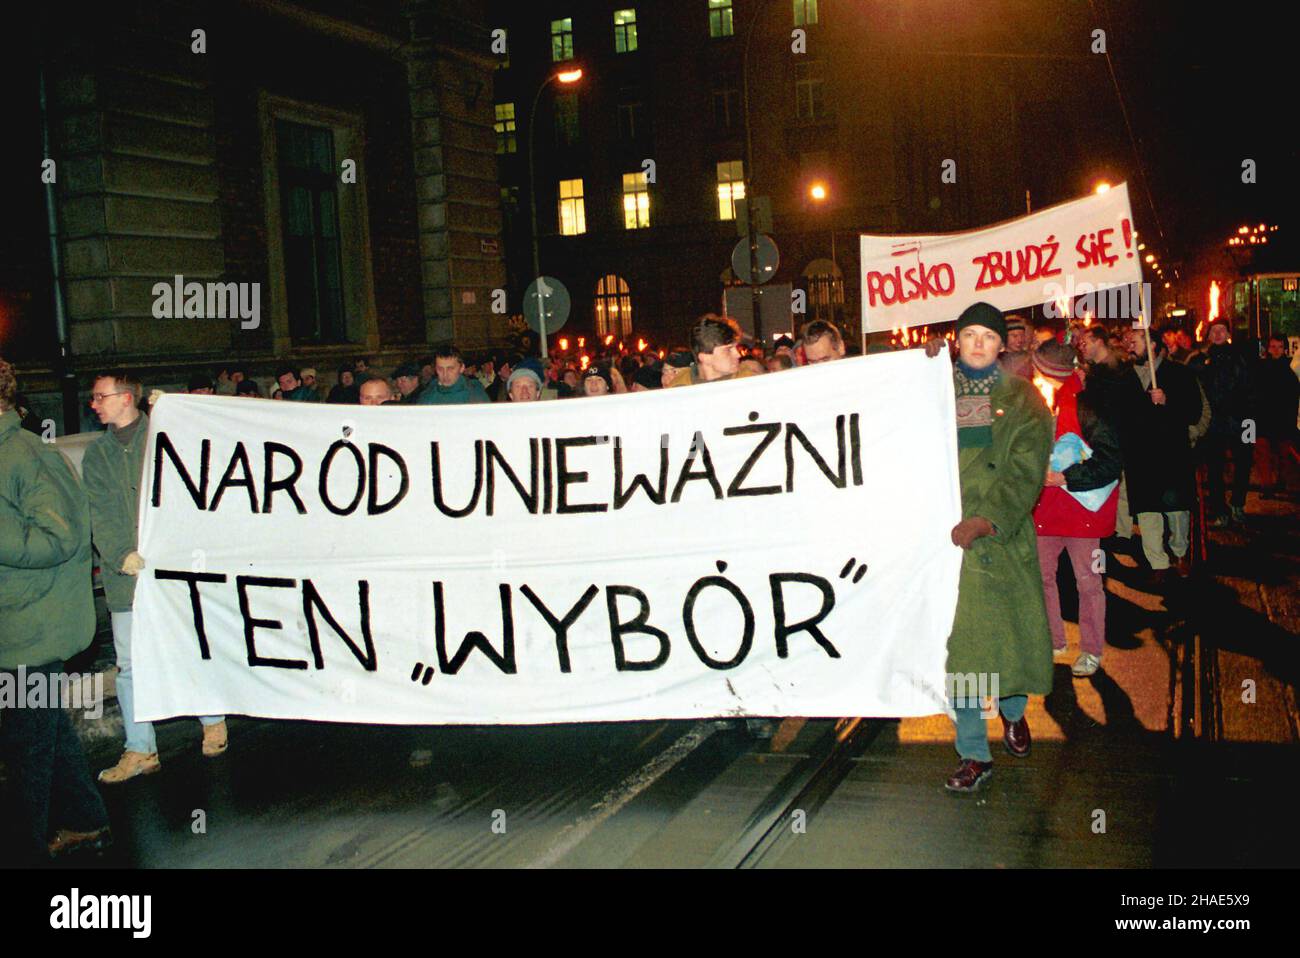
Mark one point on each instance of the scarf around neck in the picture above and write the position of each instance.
(974, 388)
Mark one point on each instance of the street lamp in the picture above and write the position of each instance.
(819, 193)
(569, 76)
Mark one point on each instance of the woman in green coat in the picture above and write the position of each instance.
(1000, 645)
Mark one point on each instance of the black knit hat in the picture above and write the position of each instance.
(649, 377)
(983, 314)
(603, 373)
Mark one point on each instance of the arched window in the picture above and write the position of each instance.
(825, 289)
(613, 306)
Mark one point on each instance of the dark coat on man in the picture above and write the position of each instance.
(1279, 396)
(1225, 372)
(1158, 466)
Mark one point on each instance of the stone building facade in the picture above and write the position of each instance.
(339, 155)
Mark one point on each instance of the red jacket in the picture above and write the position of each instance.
(1058, 513)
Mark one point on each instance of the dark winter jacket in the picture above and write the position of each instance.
(1225, 373)
(1279, 395)
(464, 390)
(47, 607)
(113, 473)
(1158, 466)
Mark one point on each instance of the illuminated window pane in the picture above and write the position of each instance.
(573, 215)
(636, 201)
(562, 39)
(624, 31)
(613, 306)
(805, 12)
(720, 24)
(731, 187)
(505, 128)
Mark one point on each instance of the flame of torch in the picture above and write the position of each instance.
(1045, 387)
(1214, 307)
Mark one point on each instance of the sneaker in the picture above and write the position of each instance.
(1086, 664)
(1220, 522)
(129, 766)
(66, 842)
(214, 739)
(1060, 650)
(969, 776)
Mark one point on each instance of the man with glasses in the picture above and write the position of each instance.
(113, 470)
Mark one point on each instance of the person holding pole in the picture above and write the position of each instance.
(1158, 404)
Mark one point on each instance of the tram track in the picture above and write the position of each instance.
(804, 789)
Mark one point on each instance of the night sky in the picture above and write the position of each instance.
(1208, 85)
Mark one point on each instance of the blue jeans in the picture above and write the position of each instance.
(139, 735)
(53, 788)
(972, 737)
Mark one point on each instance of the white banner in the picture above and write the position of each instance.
(1058, 253)
(568, 561)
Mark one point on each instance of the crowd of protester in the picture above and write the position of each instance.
(1065, 437)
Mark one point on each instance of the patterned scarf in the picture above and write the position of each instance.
(974, 388)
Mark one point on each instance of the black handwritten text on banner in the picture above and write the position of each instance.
(768, 546)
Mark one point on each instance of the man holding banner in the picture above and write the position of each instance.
(1000, 643)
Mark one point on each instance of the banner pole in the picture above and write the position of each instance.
(1146, 326)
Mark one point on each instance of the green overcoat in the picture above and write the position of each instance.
(1001, 622)
(47, 603)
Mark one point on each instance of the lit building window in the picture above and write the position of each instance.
(805, 12)
(505, 127)
(636, 201)
(613, 307)
(562, 39)
(809, 95)
(573, 215)
(731, 187)
(720, 24)
(624, 31)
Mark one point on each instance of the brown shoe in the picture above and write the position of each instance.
(969, 776)
(1183, 566)
(1015, 736)
(214, 739)
(129, 766)
(66, 842)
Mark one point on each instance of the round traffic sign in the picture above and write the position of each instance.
(769, 258)
(546, 304)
